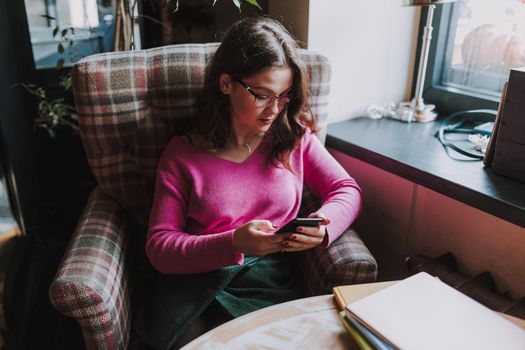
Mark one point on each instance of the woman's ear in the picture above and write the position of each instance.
(225, 83)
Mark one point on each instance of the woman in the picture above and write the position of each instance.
(223, 189)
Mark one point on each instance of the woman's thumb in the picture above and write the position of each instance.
(265, 225)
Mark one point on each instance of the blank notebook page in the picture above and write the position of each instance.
(421, 312)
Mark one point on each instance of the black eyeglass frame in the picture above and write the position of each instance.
(271, 98)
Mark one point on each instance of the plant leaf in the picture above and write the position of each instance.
(64, 32)
(238, 4)
(40, 93)
(60, 48)
(253, 3)
(65, 82)
(51, 18)
(55, 31)
(60, 63)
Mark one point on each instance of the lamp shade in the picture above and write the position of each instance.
(425, 2)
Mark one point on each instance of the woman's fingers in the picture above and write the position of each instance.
(271, 243)
(326, 221)
(302, 238)
(289, 250)
(308, 231)
(290, 246)
(263, 225)
(308, 238)
(303, 243)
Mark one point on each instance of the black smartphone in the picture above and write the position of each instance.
(293, 224)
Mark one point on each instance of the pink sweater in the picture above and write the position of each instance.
(200, 199)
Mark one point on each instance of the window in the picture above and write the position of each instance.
(475, 44)
(84, 27)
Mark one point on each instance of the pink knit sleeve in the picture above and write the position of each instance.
(169, 247)
(339, 193)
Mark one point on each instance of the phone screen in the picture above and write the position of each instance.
(293, 224)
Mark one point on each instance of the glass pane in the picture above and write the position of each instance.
(11, 221)
(8, 222)
(69, 29)
(487, 39)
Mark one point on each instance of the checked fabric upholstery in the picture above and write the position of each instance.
(129, 105)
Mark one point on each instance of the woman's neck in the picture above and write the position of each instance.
(241, 140)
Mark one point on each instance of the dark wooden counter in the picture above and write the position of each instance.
(411, 151)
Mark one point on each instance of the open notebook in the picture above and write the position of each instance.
(421, 312)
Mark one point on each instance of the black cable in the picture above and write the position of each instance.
(447, 127)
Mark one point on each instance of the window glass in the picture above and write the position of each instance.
(486, 40)
(63, 31)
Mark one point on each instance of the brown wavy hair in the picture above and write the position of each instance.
(250, 46)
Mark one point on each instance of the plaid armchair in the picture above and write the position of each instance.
(129, 105)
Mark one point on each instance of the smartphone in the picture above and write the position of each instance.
(293, 224)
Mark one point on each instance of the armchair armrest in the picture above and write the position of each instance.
(346, 261)
(91, 282)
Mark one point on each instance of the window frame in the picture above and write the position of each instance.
(447, 99)
(93, 36)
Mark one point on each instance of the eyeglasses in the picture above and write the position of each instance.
(266, 100)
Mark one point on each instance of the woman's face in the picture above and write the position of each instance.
(256, 114)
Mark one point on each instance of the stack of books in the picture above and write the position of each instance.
(421, 312)
(506, 150)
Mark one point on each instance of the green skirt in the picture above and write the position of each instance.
(173, 302)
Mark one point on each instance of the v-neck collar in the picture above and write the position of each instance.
(247, 159)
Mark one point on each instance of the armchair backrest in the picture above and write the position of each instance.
(131, 103)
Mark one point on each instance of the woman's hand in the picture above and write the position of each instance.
(306, 237)
(256, 238)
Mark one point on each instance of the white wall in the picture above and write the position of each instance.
(371, 45)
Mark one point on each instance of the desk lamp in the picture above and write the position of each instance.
(417, 110)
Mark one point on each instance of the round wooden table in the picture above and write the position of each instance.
(309, 323)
